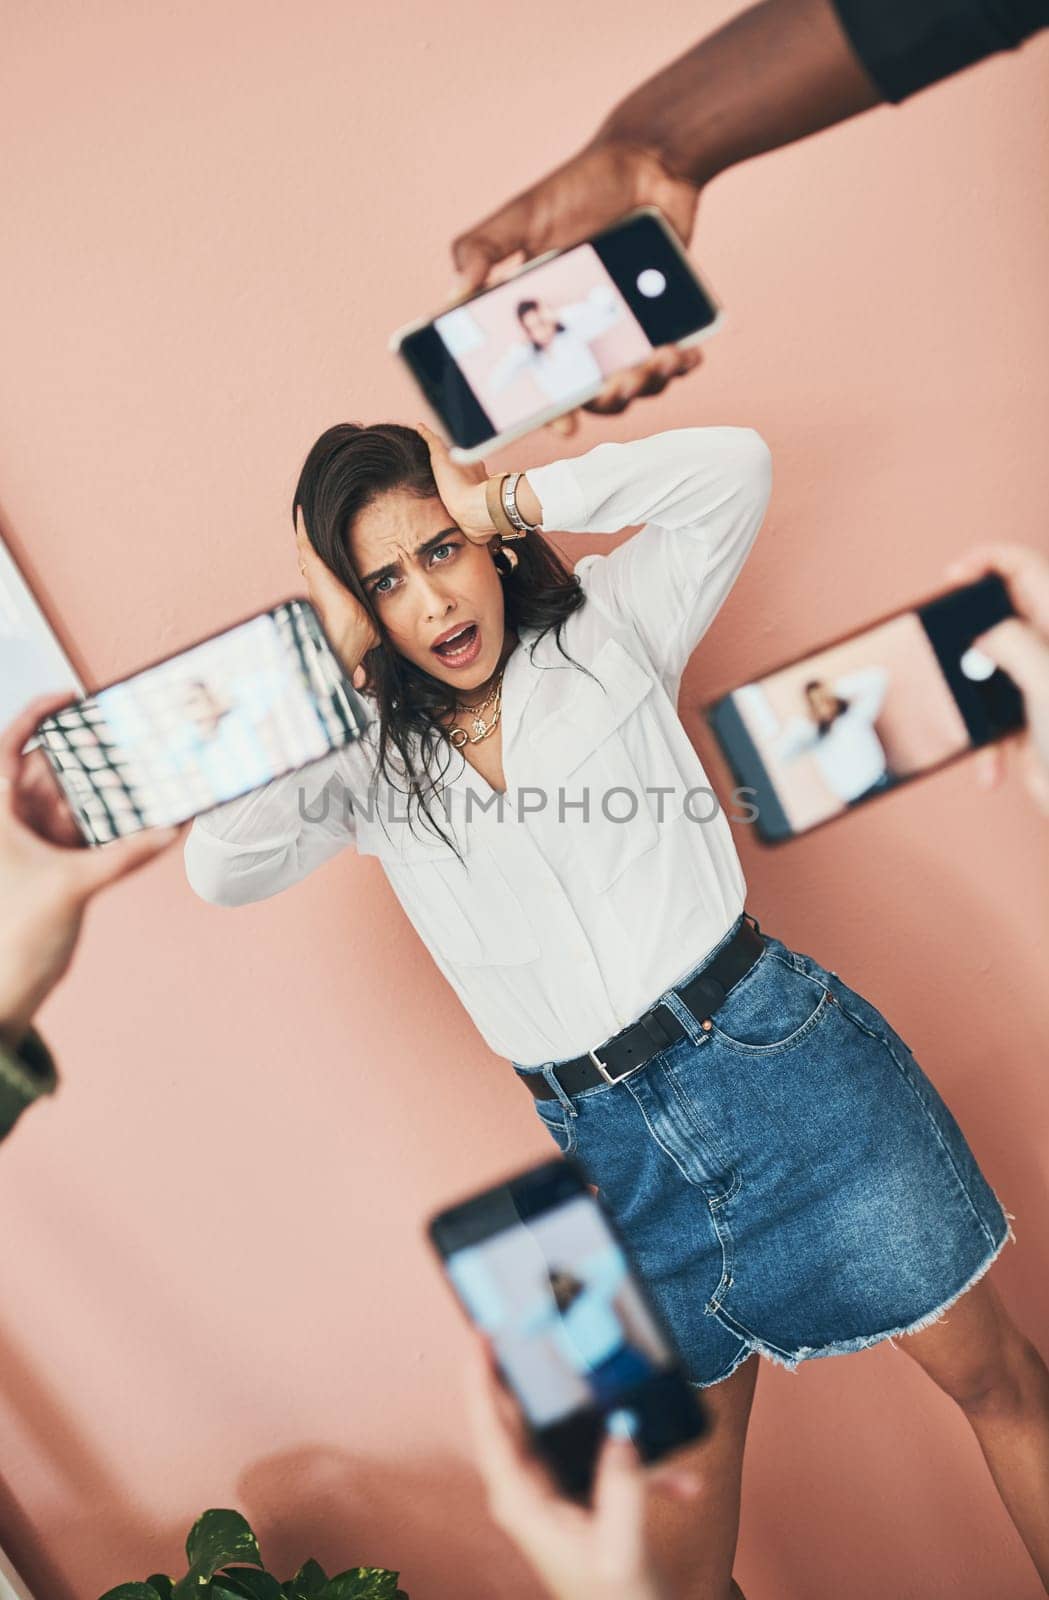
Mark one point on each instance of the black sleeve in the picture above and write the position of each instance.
(907, 44)
(26, 1073)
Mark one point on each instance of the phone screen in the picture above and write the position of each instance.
(546, 340)
(858, 718)
(216, 721)
(539, 1269)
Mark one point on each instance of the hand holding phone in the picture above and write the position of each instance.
(607, 180)
(1019, 646)
(856, 719)
(204, 726)
(595, 1552)
(559, 332)
(540, 1270)
(46, 876)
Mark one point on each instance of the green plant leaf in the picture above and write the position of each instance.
(161, 1584)
(222, 1538)
(247, 1584)
(216, 1539)
(307, 1583)
(131, 1591)
(362, 1583)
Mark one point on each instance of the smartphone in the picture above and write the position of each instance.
(832, 730)
(514, 356)
(219, 719)
(539, 1268)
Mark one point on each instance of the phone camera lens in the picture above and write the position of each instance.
(651, 283)
(976, 666)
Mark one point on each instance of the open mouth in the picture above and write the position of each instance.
(460, 646)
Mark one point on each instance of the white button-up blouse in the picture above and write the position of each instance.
(601, 876)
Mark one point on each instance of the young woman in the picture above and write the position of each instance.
(555, 349)
(789, 1180)
(840, 733)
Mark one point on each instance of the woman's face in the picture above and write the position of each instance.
(540, 325)
(823, 702)
(564, 1287)
(203, 708)
(427, 581)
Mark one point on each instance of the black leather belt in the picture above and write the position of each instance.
(635, 1045)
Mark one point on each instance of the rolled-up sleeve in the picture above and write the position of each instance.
(905, 45)
(701, 494)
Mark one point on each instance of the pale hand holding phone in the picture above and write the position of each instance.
(595, 1552)
(47, 876)
(1020, 646)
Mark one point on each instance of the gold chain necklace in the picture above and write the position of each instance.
(482, 729)
(481, 704)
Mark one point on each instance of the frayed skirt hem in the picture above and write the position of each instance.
(753, 1345)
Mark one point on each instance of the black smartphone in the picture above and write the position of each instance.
(514, 356)
(854, 720)
(538, 1266)
(215, 721)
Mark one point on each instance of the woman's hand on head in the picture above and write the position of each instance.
(460, 487)
(351, 631)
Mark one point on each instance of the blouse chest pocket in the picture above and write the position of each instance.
(465, 911)
(596, 792)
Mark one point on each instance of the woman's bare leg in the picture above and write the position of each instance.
(695, 1541)
(979, 1357)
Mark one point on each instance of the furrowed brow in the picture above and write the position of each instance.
(423, 549)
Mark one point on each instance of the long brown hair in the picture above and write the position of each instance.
(348, 468)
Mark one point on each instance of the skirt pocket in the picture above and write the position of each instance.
(774, 1007)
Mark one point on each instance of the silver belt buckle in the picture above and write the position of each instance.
(603, 1070)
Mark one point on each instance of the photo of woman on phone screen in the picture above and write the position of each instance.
(548, 337)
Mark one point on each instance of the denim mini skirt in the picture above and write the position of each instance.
(787, 1181)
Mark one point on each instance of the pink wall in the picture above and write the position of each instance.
(216, 1288)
